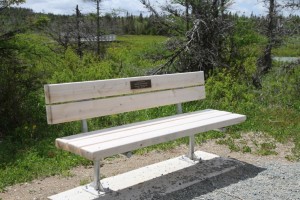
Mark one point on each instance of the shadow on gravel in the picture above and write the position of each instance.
(191, 182)
(240, 173)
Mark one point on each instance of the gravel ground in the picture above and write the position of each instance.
(256, 177)
(269, 181)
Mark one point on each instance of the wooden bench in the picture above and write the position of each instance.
(84, 100)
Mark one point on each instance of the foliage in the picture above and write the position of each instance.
(227, 91)
(245, 34)
(6, 3)
(30, 60)
(41, 159)
(282, 87)
(28, 150)
(26, 62)
(205, 47)
(137, 55)
(290, 47)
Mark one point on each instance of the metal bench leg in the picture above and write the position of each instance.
(191, 147)
(191, 139)
(97, 184)
(84, 126)
(179, 108)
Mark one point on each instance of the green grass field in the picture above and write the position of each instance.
(289, 48)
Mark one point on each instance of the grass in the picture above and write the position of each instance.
(230, 143)
(136, 55)
(267, 149)
(84, 182)
(246, 149)
(289, 48)
(22, 163)
(28, 157)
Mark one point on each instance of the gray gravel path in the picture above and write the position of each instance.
(267, 181)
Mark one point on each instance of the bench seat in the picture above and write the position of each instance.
(99, 144)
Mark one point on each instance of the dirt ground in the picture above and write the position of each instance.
(41, 189)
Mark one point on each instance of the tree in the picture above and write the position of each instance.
(187, 15)
(78, 20)
(204, 47)
(18, 79)
(274, 32)
(294, 4)
(98, 23)
(265, 62)
(6, 3)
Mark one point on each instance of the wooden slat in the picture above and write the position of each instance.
(76, 146)
(105, 136)
(159, 136)
(162, 133)
(135, 125)
(95, 108)
(76, 91)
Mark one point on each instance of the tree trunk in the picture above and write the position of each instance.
(187, 15)
(79, 49)
(265, 62)
(98, 27)
(271, 35)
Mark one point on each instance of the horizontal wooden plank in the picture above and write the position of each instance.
(147, 128)
(135, 125)
(132, 134)
(163, 135)
(76, 91)
(99, 136)
(95, 108)
(145, 135)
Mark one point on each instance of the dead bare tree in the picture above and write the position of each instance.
(204, 46)
(98, 23)
(6, 3)
(294, 4)
(274, 32)
(264, 63)
(78, 20)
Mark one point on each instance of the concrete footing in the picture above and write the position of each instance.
(155, 180)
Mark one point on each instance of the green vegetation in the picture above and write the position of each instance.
(290, 47)
(85, 181)
(31, 59)
(29, 151)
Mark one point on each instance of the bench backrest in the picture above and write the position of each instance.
(83, 100)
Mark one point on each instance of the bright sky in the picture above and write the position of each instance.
(132, 6)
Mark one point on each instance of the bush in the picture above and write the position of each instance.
(281, 86)
(225, 91)
(24, 68)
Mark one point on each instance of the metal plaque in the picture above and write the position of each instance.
(141, 84)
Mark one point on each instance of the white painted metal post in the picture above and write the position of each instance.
(179, 108)
(84, 126)
(97, 184)
(191, 139)
(191, 147)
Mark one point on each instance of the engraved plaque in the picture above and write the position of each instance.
(141, 84)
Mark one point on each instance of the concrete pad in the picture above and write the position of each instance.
(156, 180)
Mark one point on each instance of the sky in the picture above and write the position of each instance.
(134, 7)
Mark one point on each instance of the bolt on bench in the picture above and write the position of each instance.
(84, 100)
